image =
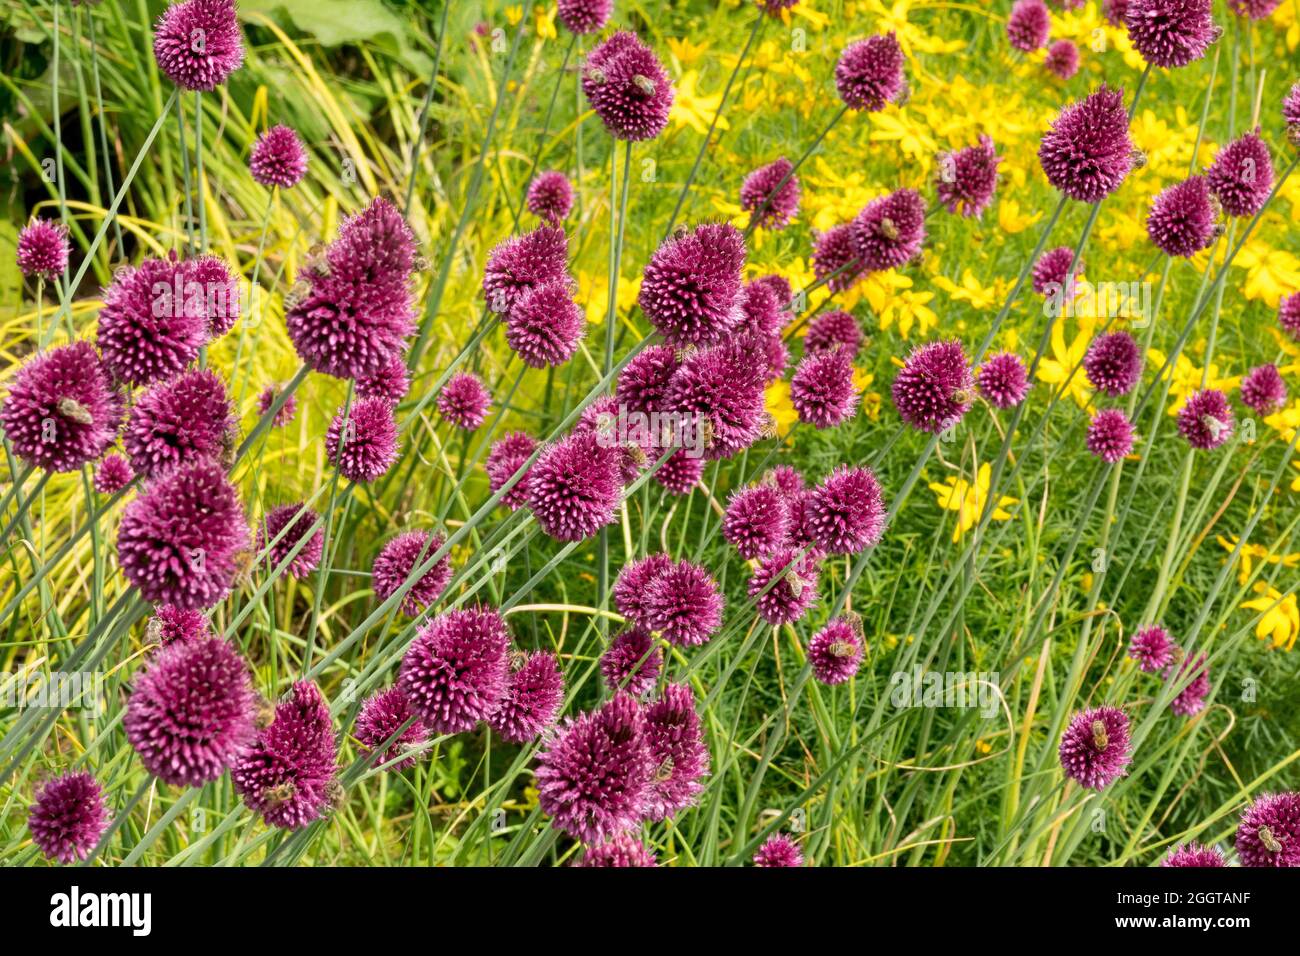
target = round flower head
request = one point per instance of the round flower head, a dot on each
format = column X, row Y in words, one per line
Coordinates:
column 390, row 382
column 1194, row 855
column 935, row 387
column 1206, row 419
column 353, row 307
column 457, row 669
column 1288, row 315
column 1191, row 699
column 594, row 778
column 627, row 87
column 1183, row 217
column 550, row 197
column 507, row 456
column 187, row 419
column 1113, row 363
column 1115, row 11
column 1095, row 747
column 831, row 330
column 68, row 817
column 1029, row 25
column 584, row 16
column 773, row 8
column 1003, row 380
column 545, row 325
column 1170, row 33
column 284, row 414
column 288, row 774
column 836, row 260
column 756, row 521
column 1263, row 389
column 890, row 230
column 192, row 712
column 1110, row 435
column 1291, row 114
column 170, row 624
column 793, row 580
column 764, row 306
column 401, row 556
column 291, row 524
column 1255, row 9
column 182, row 540
column 1052, row 276
column 574, row 488
column 533, row 697
column 968, row 178
column 382, row 715
column 770, row 194
column 43, row 249
column 690, row 289
column 522, row 262
column 1241, row 176
column 632, row 452
column 216, row 288
column 778, row 850
column 113, row 474
column 786, row 480
column 1152, row 648
column 822, row 390
column 622, row 849
column 189, row 63
column 464, row 401
column 149, row 330
column 634, row 581
column 869, row 73
column 722, row 389
column 835, row 651
column 1062, row 59
column 62, row 410
column 683, row 604
column 643, row 383
column 278, row 158
column 680, row 472
column 1087, row 152
column 779, row 286
column 769, row 353
column 362, row 440
column 1269, row 832
column 680, row 759
column 631, row 662
column 845, row 514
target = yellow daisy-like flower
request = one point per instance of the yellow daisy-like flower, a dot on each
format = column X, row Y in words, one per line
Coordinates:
column 968, row 500
column 909, row 309
column 1186, row 378
column 694, row 109
column 1064, row 361
column 1281, row 620
column 685, row 52
column 1011, row 220
column 593, row 295
column 913, row 137
column 970, row 290
column 1285, row 421
column 1251, row 553
column 545, row 18
column 776, row 401
column 1270, row 273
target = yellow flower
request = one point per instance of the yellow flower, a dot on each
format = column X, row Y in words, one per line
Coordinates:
column 776, row 400
column 684, row 51
column 1250, row 553
column 910, row 36
column 1281, row 620
column 1270, row 273
column 1186, row 378
column 959, row 495
column 545, row 17
column 693, row 109
column 1011, row 221
column 593, row 295
column 1064, row 362
column 1285, row 421
column 909, row 308
column 982, row 298
column 514, row 14
column 913, row 138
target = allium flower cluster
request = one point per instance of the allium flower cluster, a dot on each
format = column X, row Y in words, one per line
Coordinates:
column 189, row 418
column 1087, row 152
column 1094, row 749
column 457, row 669
column 627, row 87
column 399, row 558
column 935, row 387
column 68, row 817
column 362, row 440
column 288, row 775
column 690, row 289
column 771, row 194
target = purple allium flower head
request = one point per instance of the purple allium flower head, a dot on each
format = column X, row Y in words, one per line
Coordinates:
column 835, row 651
column 288, row 774
column 869, row 73
column 550, row 197
column 675, row 740
column 1206, row 419
column 381, row 715
column 1183, row 218
column 968, row 178
column 278, row 520
column 690, row 289
column 181, row 540
column 631, row 662
column 1255, row 9
column 622, row 849
column 354, row 307
column 1191, row 699
column 283, row 415
column 43, row 249
column 890, row 230
column 722, row 387
column 1193, row 855
column 594, row 778
column 390, row 382
column 770, row 207
column 1052, row 276
column 634, row 581
column 794, row 590
column 506, row 457
column 522, row 262
column 836, row 260
column 680, row 472
column 764, row 307
column 194, row 65
column 1269, row 832
column 683, row 604
column 1087, row 152
column 1241, row 176
column 170, row 624
column 601, row 418
column 362, row 440
column 191, row 713
column 768, row 352
column 464, row 401
column 1062, row 59
column 62, row 410
column 278, row 158
column 779, row 286
column 1113, row 363
column 1095, row 747
column 146, row 332
column 1110, row 435
column 398, row 558
column 786, row 480
column 845, row 514
column 773, row 8
column 187, row 419
column 545, row 325
column 628, row 87
column 831, row 330
column 574, row 487
column 113, row 474
column 1170, row 33
column 457, row 669
column 216, row 288
column 1115, row 11
column 68, row 817
column 1291, row 114
column 1029, row 25
column 822, row 389
column 643, row 383
column 1152, row 648
column 757, row 520
column 1263, row 389
column 778, row 850
column 533, row 696
column 1288, row 315
column 1003, row 380
column 935, row 387
column 584, row 16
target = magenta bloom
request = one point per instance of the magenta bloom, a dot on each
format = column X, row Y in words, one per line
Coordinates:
column 1095, row 747
column 968, row 178
column 533, row 696
column 622, row 849
column 756, row 521
column 627, row 87
column 296, row 522
column 1052, row 276
column 1255, row 9
column 464, row 401
column 180, row 541
column 690, row 289
column 149, row 330
column 1183, row 218
column 890, row 230
column 794, row 590
column 822, row 389
column 770, row 207
column 722, row 388
column 1263, row 389
column 1291, row 114
column 216, row 289
column 683, row 604
column 835, row 258
column 457, row 669
column 1194, row 855
column 399, row 558
column 634, row 581
column 1113, row 363
column 1191, row 699
column 170, row 624
column 1152, row 648
column 675, row 741
column 550, row 197
column 584, row 16
column 631, row 662
column 43, row 249
column 935, row 388
column 62, row 410
column 831, row 330
column 1003, row 380
column 1062, row 59
column 381, row 715
column 594, row 778
column 1269, row 832
column 191, row 713
column 390, row 382
column 869, row 73
column 278, row 158
column 679, row 473
column 68, row 817
column 574, row 487
column 506, row 457
column 764, row 305
column 1241, row 176
column 643, row 383
column 362, row 440
column 1288, row 315
column 1110, row 435
column 1206, row 419
column 778, row 850
column 545, row 325
column 193, row 64
column 357, row 307
column 288, row 774
column 113, row 474
column 1087, row 152
column 523, row 262
column 284, row 414
column 845, row 514
column 835, row 652
column 1029, row 25
column 187, row 419
column 1115, row 11
column 773, row 8
column 1170, row 33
